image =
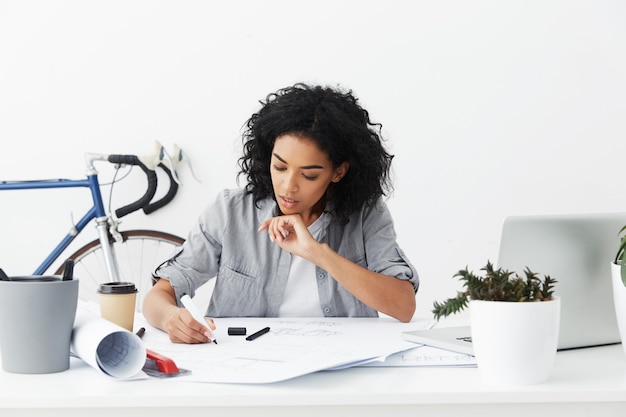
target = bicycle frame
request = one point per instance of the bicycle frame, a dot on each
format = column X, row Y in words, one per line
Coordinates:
column 96, row 212
column 106, row 225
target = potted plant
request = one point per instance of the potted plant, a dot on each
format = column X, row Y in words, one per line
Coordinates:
column 618, row 272
column 514, row 323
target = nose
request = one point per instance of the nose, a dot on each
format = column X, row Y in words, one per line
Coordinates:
column 291, row 182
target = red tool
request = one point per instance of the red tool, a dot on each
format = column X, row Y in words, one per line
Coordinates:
column 161, row 366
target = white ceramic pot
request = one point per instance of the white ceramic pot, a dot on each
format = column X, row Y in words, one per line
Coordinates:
column 515, row 342
column 619, row 299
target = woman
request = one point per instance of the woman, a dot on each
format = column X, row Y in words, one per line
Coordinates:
column 309, row 235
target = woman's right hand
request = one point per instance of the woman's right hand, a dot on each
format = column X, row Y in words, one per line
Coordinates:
column 161, row 311
column 183, row 328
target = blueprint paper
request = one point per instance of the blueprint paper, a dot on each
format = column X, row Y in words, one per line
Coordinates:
column 292, row 348
column 106, row 346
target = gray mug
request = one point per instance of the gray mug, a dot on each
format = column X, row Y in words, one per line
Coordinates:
column 36, row 320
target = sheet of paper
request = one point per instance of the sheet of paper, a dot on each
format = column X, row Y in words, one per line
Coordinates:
column 422, row 355
column 426, row 356
column 106, row 346
column 293, row 347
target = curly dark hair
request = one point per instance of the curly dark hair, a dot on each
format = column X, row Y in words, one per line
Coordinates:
column 338, row 124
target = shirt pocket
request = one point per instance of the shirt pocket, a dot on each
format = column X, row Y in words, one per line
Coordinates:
column 238, row 292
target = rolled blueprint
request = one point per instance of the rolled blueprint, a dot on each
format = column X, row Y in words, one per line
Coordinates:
column 106, row 346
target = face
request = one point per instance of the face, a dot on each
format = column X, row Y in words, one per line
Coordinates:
column 301, row 172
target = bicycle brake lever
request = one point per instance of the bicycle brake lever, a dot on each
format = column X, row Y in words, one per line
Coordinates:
column 160, row 156
column 181, row 158
column 152, row 160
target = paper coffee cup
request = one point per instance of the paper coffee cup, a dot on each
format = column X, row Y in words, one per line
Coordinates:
column 117, row 303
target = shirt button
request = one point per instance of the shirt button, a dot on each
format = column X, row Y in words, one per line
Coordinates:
column 327, row 310
column 321, row 275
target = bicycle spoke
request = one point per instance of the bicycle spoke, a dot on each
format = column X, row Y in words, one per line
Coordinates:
column 137, row 257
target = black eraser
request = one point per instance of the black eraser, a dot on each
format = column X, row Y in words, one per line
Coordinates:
column 236, row 331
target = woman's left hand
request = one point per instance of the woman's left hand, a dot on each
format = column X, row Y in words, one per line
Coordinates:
column 290, row 233
column 383, row 293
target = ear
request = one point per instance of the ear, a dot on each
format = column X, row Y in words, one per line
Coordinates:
column 341, row 171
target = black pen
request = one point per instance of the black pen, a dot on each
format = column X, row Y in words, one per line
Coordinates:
column 258, row 334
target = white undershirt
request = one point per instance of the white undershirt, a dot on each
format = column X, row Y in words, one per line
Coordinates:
column 301, row 297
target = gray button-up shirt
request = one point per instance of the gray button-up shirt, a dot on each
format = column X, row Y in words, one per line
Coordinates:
column 252, row 271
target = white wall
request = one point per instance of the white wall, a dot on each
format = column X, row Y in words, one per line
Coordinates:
column 492, row 108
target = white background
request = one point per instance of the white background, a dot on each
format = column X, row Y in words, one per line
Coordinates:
column 492, row 108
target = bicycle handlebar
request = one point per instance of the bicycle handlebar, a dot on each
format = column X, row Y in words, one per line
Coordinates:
column 169, row 196
column 150, row 191
column 148, row 165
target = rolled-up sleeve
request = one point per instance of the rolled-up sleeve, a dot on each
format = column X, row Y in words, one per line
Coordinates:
column 383, row 255
column 199, row 258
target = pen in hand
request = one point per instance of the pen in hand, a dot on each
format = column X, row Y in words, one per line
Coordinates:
column 191, row 307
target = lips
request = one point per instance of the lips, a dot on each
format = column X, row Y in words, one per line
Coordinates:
column 288, row 202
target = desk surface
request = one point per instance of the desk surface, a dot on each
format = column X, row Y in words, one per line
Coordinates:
column 583, row 381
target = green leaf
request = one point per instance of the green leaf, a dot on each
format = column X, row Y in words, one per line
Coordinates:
column 621, row 250
column 497, row 285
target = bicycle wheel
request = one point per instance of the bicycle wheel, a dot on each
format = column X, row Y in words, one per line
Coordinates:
column 139, row 253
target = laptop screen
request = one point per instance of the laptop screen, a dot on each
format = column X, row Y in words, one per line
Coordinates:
column 577, row 251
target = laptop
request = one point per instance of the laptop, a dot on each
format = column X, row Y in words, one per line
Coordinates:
column 574, row 249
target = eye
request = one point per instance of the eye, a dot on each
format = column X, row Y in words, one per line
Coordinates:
column 309, row 177
column 279, row 168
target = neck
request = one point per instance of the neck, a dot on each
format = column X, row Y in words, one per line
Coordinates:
column 315, row 212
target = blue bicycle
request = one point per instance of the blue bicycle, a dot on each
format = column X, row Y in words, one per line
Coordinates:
column 115, row 255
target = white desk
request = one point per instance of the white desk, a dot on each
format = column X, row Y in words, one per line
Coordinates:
column 585, row 382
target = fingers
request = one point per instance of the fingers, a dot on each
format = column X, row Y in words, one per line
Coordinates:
column 264, row 225
column 279, row 228
column 290, row 233
column 183, row 328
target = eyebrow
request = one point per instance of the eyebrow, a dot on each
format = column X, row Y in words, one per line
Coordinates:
column 303, row 167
